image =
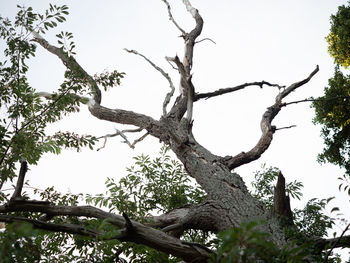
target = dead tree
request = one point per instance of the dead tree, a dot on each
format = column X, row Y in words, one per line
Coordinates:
column 228, row 202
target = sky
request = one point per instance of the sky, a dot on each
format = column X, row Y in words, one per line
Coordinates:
column 276, row 41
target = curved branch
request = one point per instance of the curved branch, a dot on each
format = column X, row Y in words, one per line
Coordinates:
column 103, row 113
column 166, row 75
column 185, row 102
column 266, row 127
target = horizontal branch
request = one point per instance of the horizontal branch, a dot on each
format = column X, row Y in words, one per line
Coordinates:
column 219, row 92
column 64, row 228
column 141, row 234
column 337, row 242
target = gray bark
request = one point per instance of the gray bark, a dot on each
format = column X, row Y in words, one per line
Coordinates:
column 228, row 203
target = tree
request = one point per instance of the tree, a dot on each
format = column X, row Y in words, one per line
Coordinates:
column 227, row 204
column 332, row 109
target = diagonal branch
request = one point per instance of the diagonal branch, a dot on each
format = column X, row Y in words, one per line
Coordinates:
column 72, row 64
column 166, row 75
column 100, row 112
column 330, row 243
column 267, row 129
column 171, row 18
column 219, row 92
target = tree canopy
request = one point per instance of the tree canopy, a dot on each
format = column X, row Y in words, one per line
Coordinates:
column 194, row 209
column 333, row 108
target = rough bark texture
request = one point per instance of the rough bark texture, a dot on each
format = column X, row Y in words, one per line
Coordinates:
column 228, row 204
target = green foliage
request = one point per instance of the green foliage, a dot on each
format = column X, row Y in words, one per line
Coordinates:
column 264, row 182
column 24, row 115
column 311, row 220
column 339, row 36
column 247, row 243
column 152, row 186
column 157, row 185
column 332, row 110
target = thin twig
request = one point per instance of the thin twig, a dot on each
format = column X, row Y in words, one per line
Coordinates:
column 139, row 139
column 287, row 127
column 122, row 134
column 312, row 100
column 166, row 75
column 171, row 18
column 207, row 38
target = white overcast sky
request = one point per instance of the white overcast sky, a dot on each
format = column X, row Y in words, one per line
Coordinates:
column 272, row 40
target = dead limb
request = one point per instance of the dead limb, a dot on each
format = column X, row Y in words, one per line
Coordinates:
column 266, row 127
column 166, row 75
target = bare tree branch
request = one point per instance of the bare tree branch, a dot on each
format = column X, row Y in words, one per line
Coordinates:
column 17, row 194
column 70, row 63
column 100, row 112
column 266, row 128
column 219, row 92
column 166, row 75
column 287, row 127
column 330, row 243
column 312, row 100
column 342, row 241
column 204, row 39
column 172, row 18
column 185, row 102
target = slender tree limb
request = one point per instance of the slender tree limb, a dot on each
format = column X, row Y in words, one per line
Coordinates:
column 171, row 18
column 17, row 194
column 70, row 63
column 312, row 100
column 266, row 127
column 330, row 243
column 287, row 127
column 185, row 102
column 65, row 228
column 219, row 92
column 342, row 241
column 204, row 39
column 100, row 112
column 139, row 139
column 166, row 75
column 117, row 133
